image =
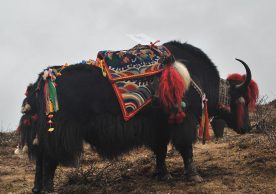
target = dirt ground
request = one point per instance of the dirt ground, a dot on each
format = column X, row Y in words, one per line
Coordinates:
column 234, row 164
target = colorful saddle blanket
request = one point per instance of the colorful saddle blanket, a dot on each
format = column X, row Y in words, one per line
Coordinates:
column 132, row 73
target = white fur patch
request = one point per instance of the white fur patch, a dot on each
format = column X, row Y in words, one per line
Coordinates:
column 25, row 108
column 25, row 149
column 183, row 71
column 241, row 100
column 17, row 151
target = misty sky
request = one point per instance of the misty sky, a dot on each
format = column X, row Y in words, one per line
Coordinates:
column 35, row 34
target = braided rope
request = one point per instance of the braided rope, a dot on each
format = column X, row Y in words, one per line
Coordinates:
column 224, row 94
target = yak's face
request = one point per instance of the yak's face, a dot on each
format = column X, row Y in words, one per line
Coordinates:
column 244, row 93
column 26, row 107
column 239, row 113
column 29, row 105
column 27, row 125
column 24, row 129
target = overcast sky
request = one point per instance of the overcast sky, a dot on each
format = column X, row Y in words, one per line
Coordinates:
column 35, row 34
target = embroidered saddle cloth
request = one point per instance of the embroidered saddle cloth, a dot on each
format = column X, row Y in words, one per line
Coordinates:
column 132, row 73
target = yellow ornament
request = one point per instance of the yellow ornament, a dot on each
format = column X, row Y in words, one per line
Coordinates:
column 51, row 109
column 51, row 129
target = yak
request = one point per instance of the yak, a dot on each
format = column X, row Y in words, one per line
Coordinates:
column 89, row 111
column 228, row 100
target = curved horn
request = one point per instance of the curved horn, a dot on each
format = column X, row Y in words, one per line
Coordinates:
column 242, row 87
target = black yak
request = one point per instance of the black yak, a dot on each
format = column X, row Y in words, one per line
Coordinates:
column 89, row 111
column 228, row 100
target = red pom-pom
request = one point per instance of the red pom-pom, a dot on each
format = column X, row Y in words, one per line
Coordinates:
column 50, row 116
column 35, row 117
column 27, row 122
column 179, row 117
column 50, row 122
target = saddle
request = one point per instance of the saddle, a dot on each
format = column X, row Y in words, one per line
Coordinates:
column 132, row 74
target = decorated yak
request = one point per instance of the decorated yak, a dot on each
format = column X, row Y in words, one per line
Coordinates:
column 228, row 100
column 115, row 110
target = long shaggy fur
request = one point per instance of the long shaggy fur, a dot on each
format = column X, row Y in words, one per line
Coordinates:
column 89, row 111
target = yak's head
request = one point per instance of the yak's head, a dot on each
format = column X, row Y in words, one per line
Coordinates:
column 243, row 92
column 28, row 122
column 30, row 103
column 26, row 129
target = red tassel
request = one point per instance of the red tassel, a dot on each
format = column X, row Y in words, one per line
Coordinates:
column 200, row 130
column 207, row 134
column 50, row 116
column 171, row 88
column 203, row 131
column 154, row 44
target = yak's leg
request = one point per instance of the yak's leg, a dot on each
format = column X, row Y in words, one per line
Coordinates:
column 183, row 136
column 218, row 127
column 48, row 174
column 190, row 170
column 161, row 169
column 38, row 174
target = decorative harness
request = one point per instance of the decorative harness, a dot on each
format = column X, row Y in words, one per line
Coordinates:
column 223, row 103
column 224, row 95
column 203, row 131
column 49, row 90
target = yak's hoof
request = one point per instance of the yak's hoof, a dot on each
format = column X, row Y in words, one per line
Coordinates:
column 36, row 189
column 191, row 173
column 195, row 178
column 48, row 188
column 165, row 177
column 162, row 176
